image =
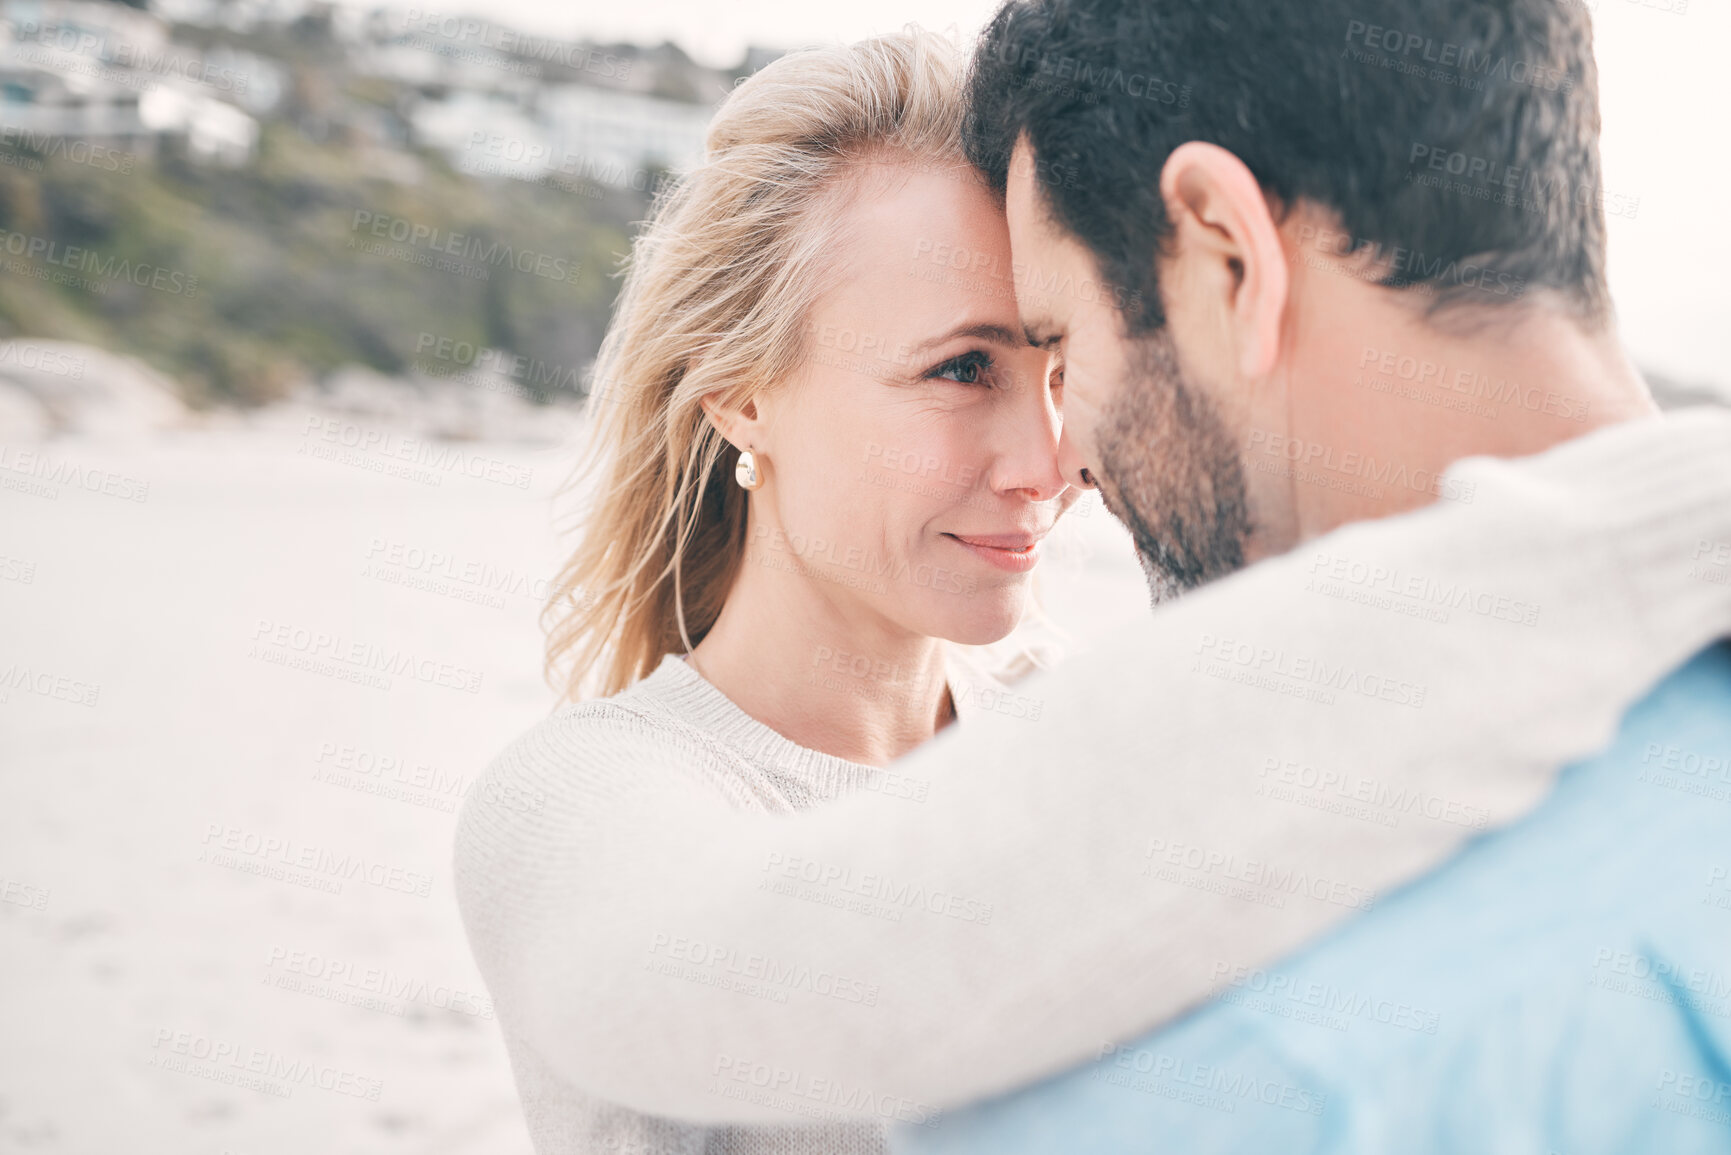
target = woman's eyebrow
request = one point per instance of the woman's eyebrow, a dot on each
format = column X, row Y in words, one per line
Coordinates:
column 984, row 331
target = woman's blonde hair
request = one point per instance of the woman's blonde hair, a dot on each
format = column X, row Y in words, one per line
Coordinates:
column 715, row 301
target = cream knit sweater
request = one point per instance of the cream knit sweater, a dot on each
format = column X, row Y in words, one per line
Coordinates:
column 754, row 769
column 1218, row 782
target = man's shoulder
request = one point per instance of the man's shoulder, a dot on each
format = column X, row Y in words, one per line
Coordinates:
column 1695, row 699
column 1675, row 743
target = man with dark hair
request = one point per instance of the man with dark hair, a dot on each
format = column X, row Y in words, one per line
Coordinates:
column 1253, row 182
column 1295, row 260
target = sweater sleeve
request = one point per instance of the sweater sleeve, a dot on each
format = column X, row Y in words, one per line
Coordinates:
column 1218, row 783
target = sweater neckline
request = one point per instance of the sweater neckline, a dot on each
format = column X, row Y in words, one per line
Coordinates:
column 676, row 685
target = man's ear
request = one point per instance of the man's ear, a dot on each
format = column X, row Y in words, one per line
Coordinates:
column 1221, row 220
column 742, row 424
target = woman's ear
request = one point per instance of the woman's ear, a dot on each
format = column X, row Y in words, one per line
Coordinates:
column 1222, row 222
column 741, row 424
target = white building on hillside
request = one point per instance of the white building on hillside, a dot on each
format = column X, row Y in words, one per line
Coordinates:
column 586, row 134
column 618, row 137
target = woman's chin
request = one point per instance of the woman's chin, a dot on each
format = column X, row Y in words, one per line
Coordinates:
column 989, row 616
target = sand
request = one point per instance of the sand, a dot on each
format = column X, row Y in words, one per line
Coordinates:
column 244, row 687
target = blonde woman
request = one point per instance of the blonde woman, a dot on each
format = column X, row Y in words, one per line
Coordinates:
column 826, row 462
column 822, row 451
column 822, row 458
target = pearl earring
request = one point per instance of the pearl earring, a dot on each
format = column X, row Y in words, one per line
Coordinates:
column 746, row 471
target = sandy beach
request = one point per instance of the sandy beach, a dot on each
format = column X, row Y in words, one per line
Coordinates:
column 248, row 671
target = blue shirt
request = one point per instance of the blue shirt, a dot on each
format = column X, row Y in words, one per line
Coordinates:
column 1562, row 986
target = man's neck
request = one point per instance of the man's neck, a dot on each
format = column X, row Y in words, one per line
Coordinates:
column 1414, row 397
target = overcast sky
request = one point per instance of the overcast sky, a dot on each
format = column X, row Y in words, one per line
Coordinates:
column 1662, row 93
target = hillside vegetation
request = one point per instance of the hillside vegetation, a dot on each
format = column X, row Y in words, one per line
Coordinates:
column 239, row 282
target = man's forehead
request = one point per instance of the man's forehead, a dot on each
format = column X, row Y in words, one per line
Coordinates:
column 1045, row 315
column 1032, row 245
column 1023, row 200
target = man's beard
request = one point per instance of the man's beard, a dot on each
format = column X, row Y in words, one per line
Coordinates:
column 1171, row 473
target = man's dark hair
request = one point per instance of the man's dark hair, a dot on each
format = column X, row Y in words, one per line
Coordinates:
column 1456, row 139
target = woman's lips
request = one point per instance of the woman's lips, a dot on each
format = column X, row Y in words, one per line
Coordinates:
column 1011, row 552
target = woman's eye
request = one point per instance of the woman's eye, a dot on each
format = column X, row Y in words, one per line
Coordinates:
column 968, row 369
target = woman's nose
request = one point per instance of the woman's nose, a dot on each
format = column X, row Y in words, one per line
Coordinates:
column 1030, row 461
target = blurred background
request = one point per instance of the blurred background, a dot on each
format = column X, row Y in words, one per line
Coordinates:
column 297, row 304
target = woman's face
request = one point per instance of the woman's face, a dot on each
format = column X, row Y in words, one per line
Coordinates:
column 912, row 464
